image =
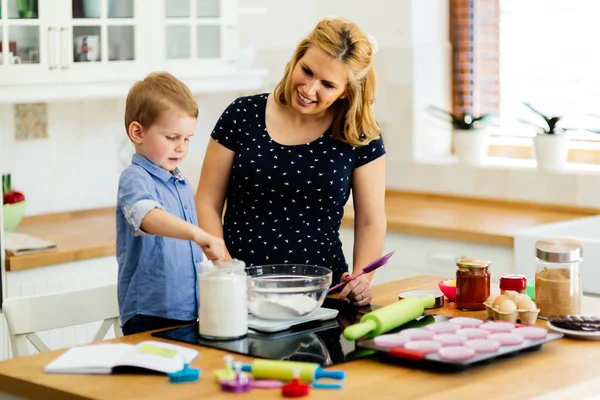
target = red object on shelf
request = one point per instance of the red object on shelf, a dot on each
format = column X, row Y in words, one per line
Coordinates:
column 513, row 282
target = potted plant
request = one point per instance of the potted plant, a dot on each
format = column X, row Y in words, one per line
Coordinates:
column 550, row 144
column 469, row 133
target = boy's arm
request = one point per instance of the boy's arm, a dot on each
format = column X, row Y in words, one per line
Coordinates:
column 142, row 210
column 161, row 223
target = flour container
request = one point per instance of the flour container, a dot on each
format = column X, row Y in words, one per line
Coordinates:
column 223, row 312
column 558, row 276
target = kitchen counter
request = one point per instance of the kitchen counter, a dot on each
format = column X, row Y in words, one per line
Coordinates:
column 559, row 368
column 88, row 234
column 467, row 219
column 80, row 235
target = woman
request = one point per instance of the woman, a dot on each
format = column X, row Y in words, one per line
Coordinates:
column 285, row 162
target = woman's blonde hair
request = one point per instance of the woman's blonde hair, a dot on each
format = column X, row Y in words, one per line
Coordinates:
column 342, row 40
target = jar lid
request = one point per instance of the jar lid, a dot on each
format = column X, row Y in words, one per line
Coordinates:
column 513, row 282
column 473, row 263
column 559, row 250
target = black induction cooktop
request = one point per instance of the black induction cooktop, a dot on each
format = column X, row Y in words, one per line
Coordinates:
column 320, row 342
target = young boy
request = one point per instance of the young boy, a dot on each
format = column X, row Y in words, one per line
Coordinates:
column 158, row 239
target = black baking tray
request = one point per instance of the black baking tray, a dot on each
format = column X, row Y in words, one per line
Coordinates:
column 432, row 361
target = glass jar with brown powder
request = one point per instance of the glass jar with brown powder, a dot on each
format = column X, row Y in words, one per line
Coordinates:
column 558, row 277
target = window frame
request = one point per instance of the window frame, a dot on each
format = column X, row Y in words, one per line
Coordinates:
column 581, row 151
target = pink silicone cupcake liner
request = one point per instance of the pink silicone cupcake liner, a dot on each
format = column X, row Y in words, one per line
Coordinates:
column 426, row 346
column 417, row 334
column 507, row 339
column 456, row 353
column 483, row 345
column 531, row 332
column 466, row 322
column 473, row 333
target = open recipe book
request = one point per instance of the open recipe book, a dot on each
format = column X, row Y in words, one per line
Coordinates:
column 112, row 358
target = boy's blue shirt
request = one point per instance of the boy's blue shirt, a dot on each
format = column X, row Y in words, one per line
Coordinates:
column 157, row 275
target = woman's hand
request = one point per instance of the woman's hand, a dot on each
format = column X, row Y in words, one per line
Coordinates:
column 358, row 291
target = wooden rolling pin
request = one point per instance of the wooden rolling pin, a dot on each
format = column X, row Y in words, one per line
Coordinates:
column 389, row 317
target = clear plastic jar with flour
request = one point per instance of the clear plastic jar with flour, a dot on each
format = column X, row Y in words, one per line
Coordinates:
column 222, row 288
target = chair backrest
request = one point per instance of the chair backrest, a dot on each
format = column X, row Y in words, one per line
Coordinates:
column 30, row 314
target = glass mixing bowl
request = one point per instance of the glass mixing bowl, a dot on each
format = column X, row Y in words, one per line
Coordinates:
column 286, row 291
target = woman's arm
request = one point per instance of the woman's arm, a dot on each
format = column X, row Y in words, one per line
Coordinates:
column 212, row 188
column 368, row 192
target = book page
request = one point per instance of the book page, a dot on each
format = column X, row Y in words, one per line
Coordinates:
column 158, row 356
column 96, row 359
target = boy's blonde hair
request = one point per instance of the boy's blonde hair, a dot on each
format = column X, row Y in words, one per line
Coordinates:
column 156, row 93
column 345, row 41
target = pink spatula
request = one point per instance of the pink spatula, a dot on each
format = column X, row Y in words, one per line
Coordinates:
column 371, row 267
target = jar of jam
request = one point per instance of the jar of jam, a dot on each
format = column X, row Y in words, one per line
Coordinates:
column 515, row 282
column 472, row 283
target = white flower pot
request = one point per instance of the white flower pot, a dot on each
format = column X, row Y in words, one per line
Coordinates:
column 471, row 146
column 551, row 151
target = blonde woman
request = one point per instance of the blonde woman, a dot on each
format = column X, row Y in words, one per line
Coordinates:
column 285, row 162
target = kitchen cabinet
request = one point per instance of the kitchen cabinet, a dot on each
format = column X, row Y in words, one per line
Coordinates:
column 418, row 255
column 65, row 49
column 57, row 278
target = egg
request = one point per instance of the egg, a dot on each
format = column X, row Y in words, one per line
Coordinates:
column 512, row 294
column 521, row 297
column 527, row 305
column 507, row 306
column 499, row 300
column 490, row 300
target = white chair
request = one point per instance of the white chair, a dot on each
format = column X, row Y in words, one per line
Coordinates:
column 30, row 314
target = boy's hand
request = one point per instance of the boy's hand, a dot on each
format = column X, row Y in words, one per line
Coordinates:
column 212, row 246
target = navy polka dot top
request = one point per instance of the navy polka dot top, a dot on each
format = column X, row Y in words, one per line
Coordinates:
column 285, row 203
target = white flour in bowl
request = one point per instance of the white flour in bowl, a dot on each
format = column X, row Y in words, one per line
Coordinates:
column 283, row 307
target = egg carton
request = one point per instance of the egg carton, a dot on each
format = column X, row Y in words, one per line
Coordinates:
column 512, row 307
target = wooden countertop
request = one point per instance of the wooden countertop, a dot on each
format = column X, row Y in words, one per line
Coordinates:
column 80, row 235
column 467, row 219
column 87, row 234
column 561, row 366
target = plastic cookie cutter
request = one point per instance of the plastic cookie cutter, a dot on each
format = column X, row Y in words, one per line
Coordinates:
column 275, row 384
column 226, row 374
column 295, row 388
column 240, row 384
column 187, row 374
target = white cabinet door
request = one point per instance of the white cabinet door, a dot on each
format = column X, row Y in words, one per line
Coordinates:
column 194, row 36
column 67, row 41
column 29, row 41
column 103, row 40
column 417, row 255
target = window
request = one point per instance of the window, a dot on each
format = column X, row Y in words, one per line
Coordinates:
column 539, row 51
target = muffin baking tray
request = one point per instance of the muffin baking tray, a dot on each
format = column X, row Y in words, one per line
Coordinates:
column 455, row 344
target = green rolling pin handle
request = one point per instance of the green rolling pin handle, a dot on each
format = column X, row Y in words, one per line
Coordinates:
column 360, row 329
column 428, row 301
